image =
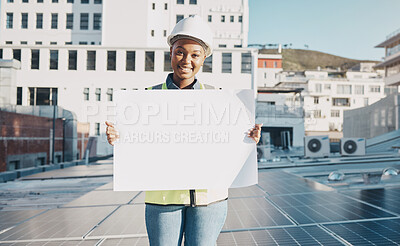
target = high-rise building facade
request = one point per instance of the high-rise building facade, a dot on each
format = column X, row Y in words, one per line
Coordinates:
column 77, row 53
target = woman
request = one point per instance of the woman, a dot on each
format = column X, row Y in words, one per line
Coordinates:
column 199, row 215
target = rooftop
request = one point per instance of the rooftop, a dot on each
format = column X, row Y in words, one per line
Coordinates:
column 291, row 205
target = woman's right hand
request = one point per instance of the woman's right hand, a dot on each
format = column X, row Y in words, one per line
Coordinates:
column 112, row 134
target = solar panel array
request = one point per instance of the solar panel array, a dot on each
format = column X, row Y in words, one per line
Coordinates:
column 282, row 209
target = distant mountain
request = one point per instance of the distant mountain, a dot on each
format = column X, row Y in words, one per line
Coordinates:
column 300, row 60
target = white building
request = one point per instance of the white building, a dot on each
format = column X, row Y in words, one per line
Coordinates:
column 327, row 94
column 82, row 51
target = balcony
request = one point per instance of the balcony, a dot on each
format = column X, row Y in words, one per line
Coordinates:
column 392, row 80
column 278, row 111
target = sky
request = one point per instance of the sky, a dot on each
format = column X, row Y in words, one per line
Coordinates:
column 348, row 28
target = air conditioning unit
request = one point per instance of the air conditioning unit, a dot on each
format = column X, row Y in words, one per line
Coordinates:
column 316, row 146
column 352, row 146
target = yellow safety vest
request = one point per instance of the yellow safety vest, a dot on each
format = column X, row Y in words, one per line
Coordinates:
column 183, row 197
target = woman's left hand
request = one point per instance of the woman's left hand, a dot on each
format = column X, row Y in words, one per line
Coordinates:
column 255, row 133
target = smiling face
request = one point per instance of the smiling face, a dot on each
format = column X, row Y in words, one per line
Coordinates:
column 187, row 57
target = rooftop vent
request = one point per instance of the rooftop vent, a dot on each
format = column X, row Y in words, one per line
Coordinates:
column 390, row 171
column 336, row 176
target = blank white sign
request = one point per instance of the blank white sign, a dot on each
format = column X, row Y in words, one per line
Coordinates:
column 184, row 139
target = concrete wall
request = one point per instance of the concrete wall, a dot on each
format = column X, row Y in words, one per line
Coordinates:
column 8, row 81
column 374, row 120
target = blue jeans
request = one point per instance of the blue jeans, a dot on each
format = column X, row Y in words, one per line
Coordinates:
column 166, row 225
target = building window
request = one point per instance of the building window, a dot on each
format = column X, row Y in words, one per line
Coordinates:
column 193, row 2
column 98, row 1
column 54, row 1
column 318, row 88
column 153, row 6
column 98, row 94
column 335, row 113
column 166, row 6
column 82, row 43
column 316, row 100
column 207, row 65
column 38, row 42
column 374, row 88
column 149, row 61
column 1, row 53
column 97, row 129
column 10, row 20
column 359, row 89
column 246, row 62
column 70, row 1
column 84, row 1
column 365, row 102
column 227, row 62
column 9, row 42
column 275, row 64
column 86, row 94
column 180, row 2
column 317, row 113
column 70, row 21
column 91, row 60
column 13, row 165
column 72, row 59
column 24, row 20
column 111, row 60
column 178, row 18
column 222, row 18
column 222, row 46
column 54, row 21
column 110, row 94
column 152, row 33
column 10, row 1
column 210, row 18
column 327, row 87
column 341, row 102
column 42, row 96
column 97, row 21
column 53, row 59
column 53, row 43
column 39, row 1
column 19, row 95
column 35, row 59
column 232, row 18
column 39, row 20
column 343, row 89
column 84, row 21
column 130, row 61
column 240, row 18
column 17, row 54
column 167, row 62
column 25, row 1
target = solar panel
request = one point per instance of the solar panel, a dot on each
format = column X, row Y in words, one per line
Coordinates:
column 253, row 213
column 126, row 220
column 382, row 232
column 251, row 191
column 103, row 197
column 108, row 186
column 12, row 218
column 126, row 242
column 55, row 243
column 306, row 235
column 388, row 199
column 325, row 207
column 280, row 182
column 59, row 223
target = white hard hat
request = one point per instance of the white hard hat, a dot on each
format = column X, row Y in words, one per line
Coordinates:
column 193, row 28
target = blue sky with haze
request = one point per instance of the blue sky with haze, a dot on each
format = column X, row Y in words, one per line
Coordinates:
column 348, row 28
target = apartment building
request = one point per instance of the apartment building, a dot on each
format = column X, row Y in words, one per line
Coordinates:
column 391, row 63
column 328, row 93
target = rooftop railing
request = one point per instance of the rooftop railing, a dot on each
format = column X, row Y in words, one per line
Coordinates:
column 393, row 34
column 278, row 111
